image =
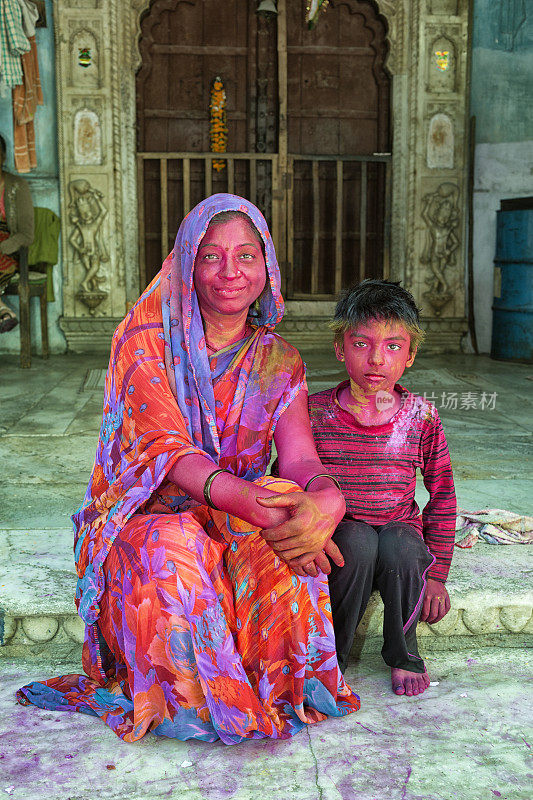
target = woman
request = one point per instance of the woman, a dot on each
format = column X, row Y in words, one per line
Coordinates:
column 16, row 230
column 196, row 626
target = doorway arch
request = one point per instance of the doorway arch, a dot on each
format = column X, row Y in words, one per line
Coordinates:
column 333, row 83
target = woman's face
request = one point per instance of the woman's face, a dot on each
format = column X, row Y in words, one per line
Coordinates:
column 229, row 269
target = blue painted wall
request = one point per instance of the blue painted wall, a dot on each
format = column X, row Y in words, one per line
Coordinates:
column 502, row 70
column 43, row 181
column 502, row 102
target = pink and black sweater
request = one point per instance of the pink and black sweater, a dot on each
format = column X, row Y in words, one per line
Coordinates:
column 376, row 468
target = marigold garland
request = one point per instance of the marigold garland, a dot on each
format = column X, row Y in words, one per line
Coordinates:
column 219, row 128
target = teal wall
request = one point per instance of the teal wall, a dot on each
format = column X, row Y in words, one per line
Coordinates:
column 43, row 181
column 502, row 70
column 502, row 102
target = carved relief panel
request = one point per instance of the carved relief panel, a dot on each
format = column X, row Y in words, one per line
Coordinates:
column 438, row 226
column 443, row 8
column 442, row 65
column 440, row 144
column 90, row 177
column 441, row 214
column 86, row 214
column 85, row 3
column 87, row 137
column 85, row 57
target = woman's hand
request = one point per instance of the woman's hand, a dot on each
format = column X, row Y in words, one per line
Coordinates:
column 302, row 538
column 436, row 602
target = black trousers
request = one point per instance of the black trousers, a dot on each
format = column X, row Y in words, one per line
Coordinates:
column 394, row 559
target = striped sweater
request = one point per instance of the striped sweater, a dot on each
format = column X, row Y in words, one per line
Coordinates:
column 376, row 467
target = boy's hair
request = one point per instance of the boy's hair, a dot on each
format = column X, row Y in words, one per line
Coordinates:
column 377, row 299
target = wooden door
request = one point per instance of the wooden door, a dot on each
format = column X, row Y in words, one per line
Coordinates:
column 185, row 45
column 338, row 106
column 331, row 81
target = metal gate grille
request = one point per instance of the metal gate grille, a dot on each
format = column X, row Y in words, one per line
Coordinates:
column 318, row 208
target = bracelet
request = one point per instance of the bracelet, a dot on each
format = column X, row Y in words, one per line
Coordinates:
column 323, row 475
column 207, row 488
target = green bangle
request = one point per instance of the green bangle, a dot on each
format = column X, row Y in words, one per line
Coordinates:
column 207, row 488
column 323, row 475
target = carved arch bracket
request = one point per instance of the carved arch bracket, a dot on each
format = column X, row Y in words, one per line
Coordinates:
column 390, row 9
column 138, row 8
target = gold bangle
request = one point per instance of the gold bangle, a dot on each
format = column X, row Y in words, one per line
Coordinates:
column 323, row 475
column 207, row 488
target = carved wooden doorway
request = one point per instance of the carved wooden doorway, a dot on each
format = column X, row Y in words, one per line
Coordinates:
column 307, row 131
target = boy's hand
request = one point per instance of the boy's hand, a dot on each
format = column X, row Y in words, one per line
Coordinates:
column 436, row 602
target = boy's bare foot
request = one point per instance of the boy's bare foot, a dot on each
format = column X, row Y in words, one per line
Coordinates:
column 409, row 683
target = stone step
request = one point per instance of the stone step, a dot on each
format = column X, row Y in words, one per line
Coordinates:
column 488, row 586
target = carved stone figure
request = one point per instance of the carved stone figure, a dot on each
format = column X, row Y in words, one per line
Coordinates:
column 440, row 212
column 87, row 212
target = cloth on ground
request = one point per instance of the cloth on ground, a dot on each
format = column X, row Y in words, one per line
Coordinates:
column 493, row 525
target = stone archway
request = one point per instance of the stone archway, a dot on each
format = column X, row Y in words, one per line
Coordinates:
column 97, row 58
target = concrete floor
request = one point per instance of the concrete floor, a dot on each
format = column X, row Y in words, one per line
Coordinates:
column 51, row 424
column 466, row 738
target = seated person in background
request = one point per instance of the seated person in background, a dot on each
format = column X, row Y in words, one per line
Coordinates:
column 372, row 435
column 16, row 230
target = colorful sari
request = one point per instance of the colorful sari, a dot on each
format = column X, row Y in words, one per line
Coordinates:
column 194, row 627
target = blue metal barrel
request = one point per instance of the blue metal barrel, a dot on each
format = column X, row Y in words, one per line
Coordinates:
column 512, row 311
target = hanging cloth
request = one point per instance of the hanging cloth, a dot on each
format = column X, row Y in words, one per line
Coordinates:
column 13, row 43
column 26, row 98
column 43, row 253
column 30, row 15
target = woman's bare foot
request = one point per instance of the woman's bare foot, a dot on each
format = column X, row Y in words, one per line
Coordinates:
column 409, row 683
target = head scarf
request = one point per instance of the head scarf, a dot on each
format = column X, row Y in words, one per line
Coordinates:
column 186, row 359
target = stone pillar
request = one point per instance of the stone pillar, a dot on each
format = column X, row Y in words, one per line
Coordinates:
column 429, row 61
column 93, row 136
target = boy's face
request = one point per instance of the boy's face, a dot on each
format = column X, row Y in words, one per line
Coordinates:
column 376, row 354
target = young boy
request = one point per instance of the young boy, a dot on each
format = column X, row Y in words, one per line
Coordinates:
column 372, row 435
